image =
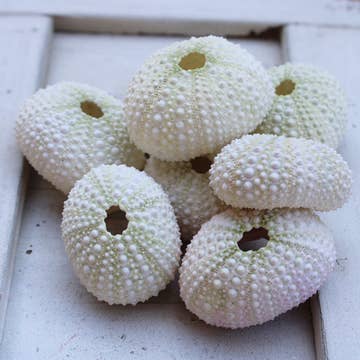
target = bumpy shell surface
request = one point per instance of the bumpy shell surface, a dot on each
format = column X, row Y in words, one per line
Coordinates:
column 314, row 109
column 132, row 266
column 177, row 114
column 268, row 171
column 228, row 287
column 189, row 192
column 62, row 142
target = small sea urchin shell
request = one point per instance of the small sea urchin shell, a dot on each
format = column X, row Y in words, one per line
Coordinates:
column 228, row 287
column 127, row 266
column 309, row 103
column 68, row 128
column 195, row 96
column 268, row 171
column 187, row 185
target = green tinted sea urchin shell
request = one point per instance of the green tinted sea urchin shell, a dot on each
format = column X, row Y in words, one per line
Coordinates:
column 127, row 267
column 69, row 128
column 268, row 171
column 228, row 287
column 195, row 96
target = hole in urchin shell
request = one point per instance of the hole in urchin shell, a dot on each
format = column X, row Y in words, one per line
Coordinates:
column 254, row 239
column 92, row 109
column 116, row 221
column 201, row 164
column 193, row 60
column 286, row 87
column 146, row 156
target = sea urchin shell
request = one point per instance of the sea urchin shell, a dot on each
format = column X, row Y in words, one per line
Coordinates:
column 187, row 185
column 195, row 96
column 309, row 103
column 228, row 287
column 69, row 128
column 135, row 263
column 268, row 171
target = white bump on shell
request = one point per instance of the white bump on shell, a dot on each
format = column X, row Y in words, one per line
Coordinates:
column 259, row 285
column 224, row 99
column 136, row 264
column 63, row 143
column 315, row 109
column 307, row 174
column 189, row 192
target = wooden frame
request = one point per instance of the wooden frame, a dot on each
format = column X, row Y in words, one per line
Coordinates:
column 328, row 36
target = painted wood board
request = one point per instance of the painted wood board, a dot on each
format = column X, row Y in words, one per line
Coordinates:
column 337, row 308
column 46, row 296
column 188, row 16
column 24, row 43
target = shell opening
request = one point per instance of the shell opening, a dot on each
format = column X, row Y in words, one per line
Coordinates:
column 286, row 87
column 254, row 239
column 91, row 108
column 193, row 60
column 116, row 221
column 201, row 164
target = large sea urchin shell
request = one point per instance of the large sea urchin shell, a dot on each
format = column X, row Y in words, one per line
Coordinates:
column 195, row 96
column 309, row 103
column 189, row 192
column 132, row 266
column 228, row 287
column 69, row 128
column 268, row 171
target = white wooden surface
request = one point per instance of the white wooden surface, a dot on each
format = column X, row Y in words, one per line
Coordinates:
column 188, row 16
column 24, row 43
column 338, row 307
column 51, row 316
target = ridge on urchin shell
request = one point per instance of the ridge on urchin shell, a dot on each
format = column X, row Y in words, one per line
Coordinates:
column 66, row 129
column 268, row 171
column 132, row 266
column 195, row 96
column 228, row 287
column 308, row 103
column 189, row 192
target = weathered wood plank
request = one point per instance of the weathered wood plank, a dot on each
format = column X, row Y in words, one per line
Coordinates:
column 188, row 16
column 47, row 297
column 337, row 309
column 24, row 43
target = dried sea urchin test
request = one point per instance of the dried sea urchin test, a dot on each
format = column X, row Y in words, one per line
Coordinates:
column 230, row 287
column 309, row 103
column 268, row 171
column 69, row 128
column 131, row 263
column 187, row 185
column 195, row 96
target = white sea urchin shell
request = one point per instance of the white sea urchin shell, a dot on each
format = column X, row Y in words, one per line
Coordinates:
column 132, row 266
column 195, row 96
column 228, row 287
column 68, row 128
column 189, row 192
column 309, row 103
column 268, row 171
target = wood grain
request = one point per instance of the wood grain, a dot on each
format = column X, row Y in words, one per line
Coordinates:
column 24, row 43
column 229, row 17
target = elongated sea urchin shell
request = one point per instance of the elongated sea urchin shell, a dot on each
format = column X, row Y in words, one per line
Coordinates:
column 228, row 287
column 195, row 96
column 309, row 103
column 127, row 267
column 69, row 128
column 268, row 171
column 189, row 192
